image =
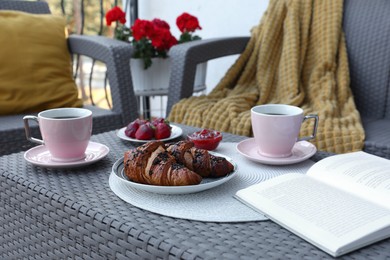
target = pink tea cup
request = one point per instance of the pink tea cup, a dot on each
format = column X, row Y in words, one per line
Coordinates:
column 276, row 128
column 65, row 132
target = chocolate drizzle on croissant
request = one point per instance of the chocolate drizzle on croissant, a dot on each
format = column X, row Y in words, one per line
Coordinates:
column 199, row 160
column 152, row 164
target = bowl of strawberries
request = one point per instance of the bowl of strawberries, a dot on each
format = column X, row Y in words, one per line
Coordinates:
column 141, row 130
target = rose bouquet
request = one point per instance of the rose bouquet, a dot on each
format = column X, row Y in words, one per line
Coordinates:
column 152, row 39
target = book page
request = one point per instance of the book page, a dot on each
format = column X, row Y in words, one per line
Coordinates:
column 329, row 218
column 360, row 173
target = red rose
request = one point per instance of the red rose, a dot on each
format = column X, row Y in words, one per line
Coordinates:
column 162, row 39
column 114, row 15
column 141, row 29
column 187, row 23
column 171, row 41
column 152, row 38
column 161, row 24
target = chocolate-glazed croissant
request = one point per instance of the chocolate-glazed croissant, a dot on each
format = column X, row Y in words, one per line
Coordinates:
column 199, row 160
column 152, row 164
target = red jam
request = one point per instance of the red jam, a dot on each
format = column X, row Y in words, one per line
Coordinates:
column 206, row 139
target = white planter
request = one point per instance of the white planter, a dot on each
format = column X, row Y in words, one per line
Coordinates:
column 154, row 81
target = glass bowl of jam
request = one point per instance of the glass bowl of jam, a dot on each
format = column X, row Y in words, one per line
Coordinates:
column 207, row 139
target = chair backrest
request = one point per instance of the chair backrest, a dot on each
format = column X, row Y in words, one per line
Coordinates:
column 30, row 7
column 367, row 30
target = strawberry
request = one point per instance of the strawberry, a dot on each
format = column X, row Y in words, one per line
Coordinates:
column 162, row 131
column 132, row 128
column 140, row 121
column 158, row 120
column 145, row 132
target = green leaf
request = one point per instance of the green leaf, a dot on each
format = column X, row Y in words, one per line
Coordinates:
column 196, row 37
column 147, row 62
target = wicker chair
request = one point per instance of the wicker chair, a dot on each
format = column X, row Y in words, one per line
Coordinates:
column 114, row 54
column 366, row 25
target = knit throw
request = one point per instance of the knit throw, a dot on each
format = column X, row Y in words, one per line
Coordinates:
column 297, row 56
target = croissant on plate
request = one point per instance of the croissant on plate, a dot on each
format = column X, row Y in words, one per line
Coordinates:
column 152, row 164
column 199, row 160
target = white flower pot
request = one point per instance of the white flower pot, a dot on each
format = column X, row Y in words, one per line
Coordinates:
column 154, row 81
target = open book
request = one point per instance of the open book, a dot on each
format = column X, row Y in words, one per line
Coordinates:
column 341, row 204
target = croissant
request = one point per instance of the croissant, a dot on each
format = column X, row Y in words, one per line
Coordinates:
column 199, row 160
column 152, row 164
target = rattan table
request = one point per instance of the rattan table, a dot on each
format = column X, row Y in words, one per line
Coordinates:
column 72, row 213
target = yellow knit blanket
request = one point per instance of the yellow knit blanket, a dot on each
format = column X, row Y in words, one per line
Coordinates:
column 296, row 55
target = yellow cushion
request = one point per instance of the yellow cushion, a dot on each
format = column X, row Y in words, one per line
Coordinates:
column 35, row 64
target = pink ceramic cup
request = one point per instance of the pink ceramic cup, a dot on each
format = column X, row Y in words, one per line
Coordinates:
column 276, row 128
column 65, row 132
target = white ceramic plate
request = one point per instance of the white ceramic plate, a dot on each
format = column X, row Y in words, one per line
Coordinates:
column 302, row 150
column 207, row 183
column 40, row 156
column 176, row 132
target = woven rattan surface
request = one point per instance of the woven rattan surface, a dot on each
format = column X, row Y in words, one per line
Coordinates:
column 56, row 214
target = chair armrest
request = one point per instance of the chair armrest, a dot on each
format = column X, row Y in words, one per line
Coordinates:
column 186, row 56
column 116, row 56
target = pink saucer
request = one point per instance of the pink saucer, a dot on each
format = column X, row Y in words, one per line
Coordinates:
column 40, row 156
column 301, row 151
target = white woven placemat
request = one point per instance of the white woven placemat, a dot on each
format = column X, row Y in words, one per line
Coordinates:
column 214, row 205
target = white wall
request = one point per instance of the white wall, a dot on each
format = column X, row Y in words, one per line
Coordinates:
column 218, row 18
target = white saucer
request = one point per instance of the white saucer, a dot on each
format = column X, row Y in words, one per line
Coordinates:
column 40, row 156
column 301, row 151
column 175, row 133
